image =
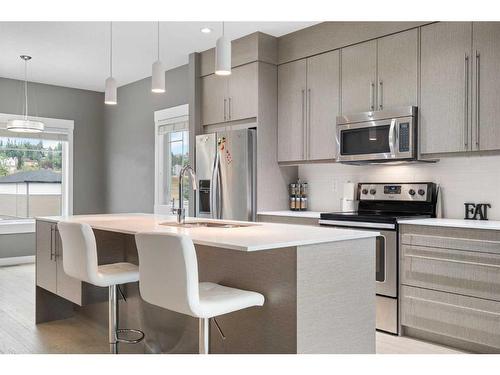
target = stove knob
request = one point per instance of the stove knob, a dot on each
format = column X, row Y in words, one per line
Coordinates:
column 373, row 191
column 411, row 192
column 421, row 191
column 364, row 191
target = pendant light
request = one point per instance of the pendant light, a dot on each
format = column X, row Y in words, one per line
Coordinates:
column 158, row 73
column 223, row 55
column 110, row 92
column 25, row 125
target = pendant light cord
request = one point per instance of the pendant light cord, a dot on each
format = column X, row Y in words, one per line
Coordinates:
column 158, row 41
column 222, row 28
column 26, row 89
column 111, row 49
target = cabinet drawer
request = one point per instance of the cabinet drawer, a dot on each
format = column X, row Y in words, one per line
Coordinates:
column 448, row 242
column 465, row 318
column 457, row 271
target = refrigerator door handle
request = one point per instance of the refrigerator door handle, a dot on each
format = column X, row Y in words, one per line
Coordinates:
column 219, row 190
column 213, row 188
column 215, row 194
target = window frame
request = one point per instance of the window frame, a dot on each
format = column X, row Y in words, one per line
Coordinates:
column 53, row 126
column 163, row 117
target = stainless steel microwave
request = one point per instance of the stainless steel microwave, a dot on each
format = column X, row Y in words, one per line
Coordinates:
column 377, row 136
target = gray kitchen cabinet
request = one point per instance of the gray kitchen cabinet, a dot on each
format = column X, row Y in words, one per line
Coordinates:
column 359, row 77
column 308, row 103
column 397, row 70
column 292, row 111
column 323, row 91
column 230, row 98
column 445, row 83
column 67, row 286
column 49, row 268
column 213, row 99
column 242, row 93
column 451, row 286
column 46, row 268
column 486, row 86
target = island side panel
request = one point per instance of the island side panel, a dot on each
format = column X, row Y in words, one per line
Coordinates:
column 336, row 297
column 268, row 329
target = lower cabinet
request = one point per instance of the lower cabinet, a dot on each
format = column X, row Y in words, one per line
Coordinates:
column 49, row 267
column 450, row 290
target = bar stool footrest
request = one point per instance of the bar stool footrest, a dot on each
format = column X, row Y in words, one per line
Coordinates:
column 128, row 330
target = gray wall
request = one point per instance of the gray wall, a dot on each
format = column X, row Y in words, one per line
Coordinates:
column 129, row 141
column 87, row 110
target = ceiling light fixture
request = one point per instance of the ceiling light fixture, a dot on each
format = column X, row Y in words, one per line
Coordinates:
column 158, row 73
column 206, row 30
column 223, row 55
column 110, row 91
column 25, row 125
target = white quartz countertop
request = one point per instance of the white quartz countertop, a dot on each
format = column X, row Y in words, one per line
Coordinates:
column 455, row 223
column 259, row 236
column 304, row 214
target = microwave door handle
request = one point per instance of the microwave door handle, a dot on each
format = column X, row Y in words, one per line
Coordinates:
column 392, row 138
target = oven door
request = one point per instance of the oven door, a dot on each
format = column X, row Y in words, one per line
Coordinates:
column 381, row 140
column 386, row 269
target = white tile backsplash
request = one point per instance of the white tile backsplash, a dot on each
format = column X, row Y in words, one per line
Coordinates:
column 462, row 179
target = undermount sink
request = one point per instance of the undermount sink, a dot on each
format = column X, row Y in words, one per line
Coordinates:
column 207, row 224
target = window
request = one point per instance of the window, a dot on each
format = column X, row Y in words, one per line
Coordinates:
column 172, row 154
column 176, row 156
column 30, row 177
column 35, row 173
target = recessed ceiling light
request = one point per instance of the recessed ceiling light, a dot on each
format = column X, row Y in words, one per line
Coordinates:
column 206, row 30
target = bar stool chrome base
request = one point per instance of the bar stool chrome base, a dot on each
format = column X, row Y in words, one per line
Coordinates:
column 114, row 331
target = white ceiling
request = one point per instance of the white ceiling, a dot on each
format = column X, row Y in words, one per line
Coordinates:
column 76, row 54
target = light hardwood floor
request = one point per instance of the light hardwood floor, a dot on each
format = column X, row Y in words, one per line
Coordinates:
column 20, row 334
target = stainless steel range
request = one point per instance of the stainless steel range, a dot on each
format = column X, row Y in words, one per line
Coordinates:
column 381, row 205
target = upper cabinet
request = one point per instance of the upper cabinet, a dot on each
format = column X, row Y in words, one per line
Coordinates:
column 445, row 87
column 308, row 103
column 486, row 86
column 292, row 110
column 323, row 99
column 359, row 75
column 397, row 70
column 230, row 98
column 460, row 87
column 380, row 73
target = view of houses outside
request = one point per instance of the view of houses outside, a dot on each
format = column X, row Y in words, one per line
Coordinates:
column 30, row 177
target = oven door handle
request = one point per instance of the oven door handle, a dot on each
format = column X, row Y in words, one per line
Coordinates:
column 392, row 138
column 385, row 257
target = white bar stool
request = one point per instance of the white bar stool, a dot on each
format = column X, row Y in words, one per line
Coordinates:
column 168, row 272
column 80, row 261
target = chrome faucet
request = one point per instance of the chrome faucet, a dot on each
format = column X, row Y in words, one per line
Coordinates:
column 181, row 211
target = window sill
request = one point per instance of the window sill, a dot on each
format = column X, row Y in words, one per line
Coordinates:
column 17, row 226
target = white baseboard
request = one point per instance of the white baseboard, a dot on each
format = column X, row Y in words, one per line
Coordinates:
column 17, row 260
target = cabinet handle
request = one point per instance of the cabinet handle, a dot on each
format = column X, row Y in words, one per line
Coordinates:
column 372, row 96
column 225, row 109
column 308, row 139
column 477, row 98
column 56, row 231
column 380, row 95
column 466, row 103
column 51, row 242
column 229, row 108
column 303, row 122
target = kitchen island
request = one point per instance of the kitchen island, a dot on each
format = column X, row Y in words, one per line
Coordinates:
column 318, row 284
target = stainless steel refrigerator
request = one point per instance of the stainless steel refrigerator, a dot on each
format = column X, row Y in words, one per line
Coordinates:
column 226, row 176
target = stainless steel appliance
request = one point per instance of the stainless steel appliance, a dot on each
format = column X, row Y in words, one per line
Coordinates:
column 381, row 205
column 378, row 136
column 226, row 176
